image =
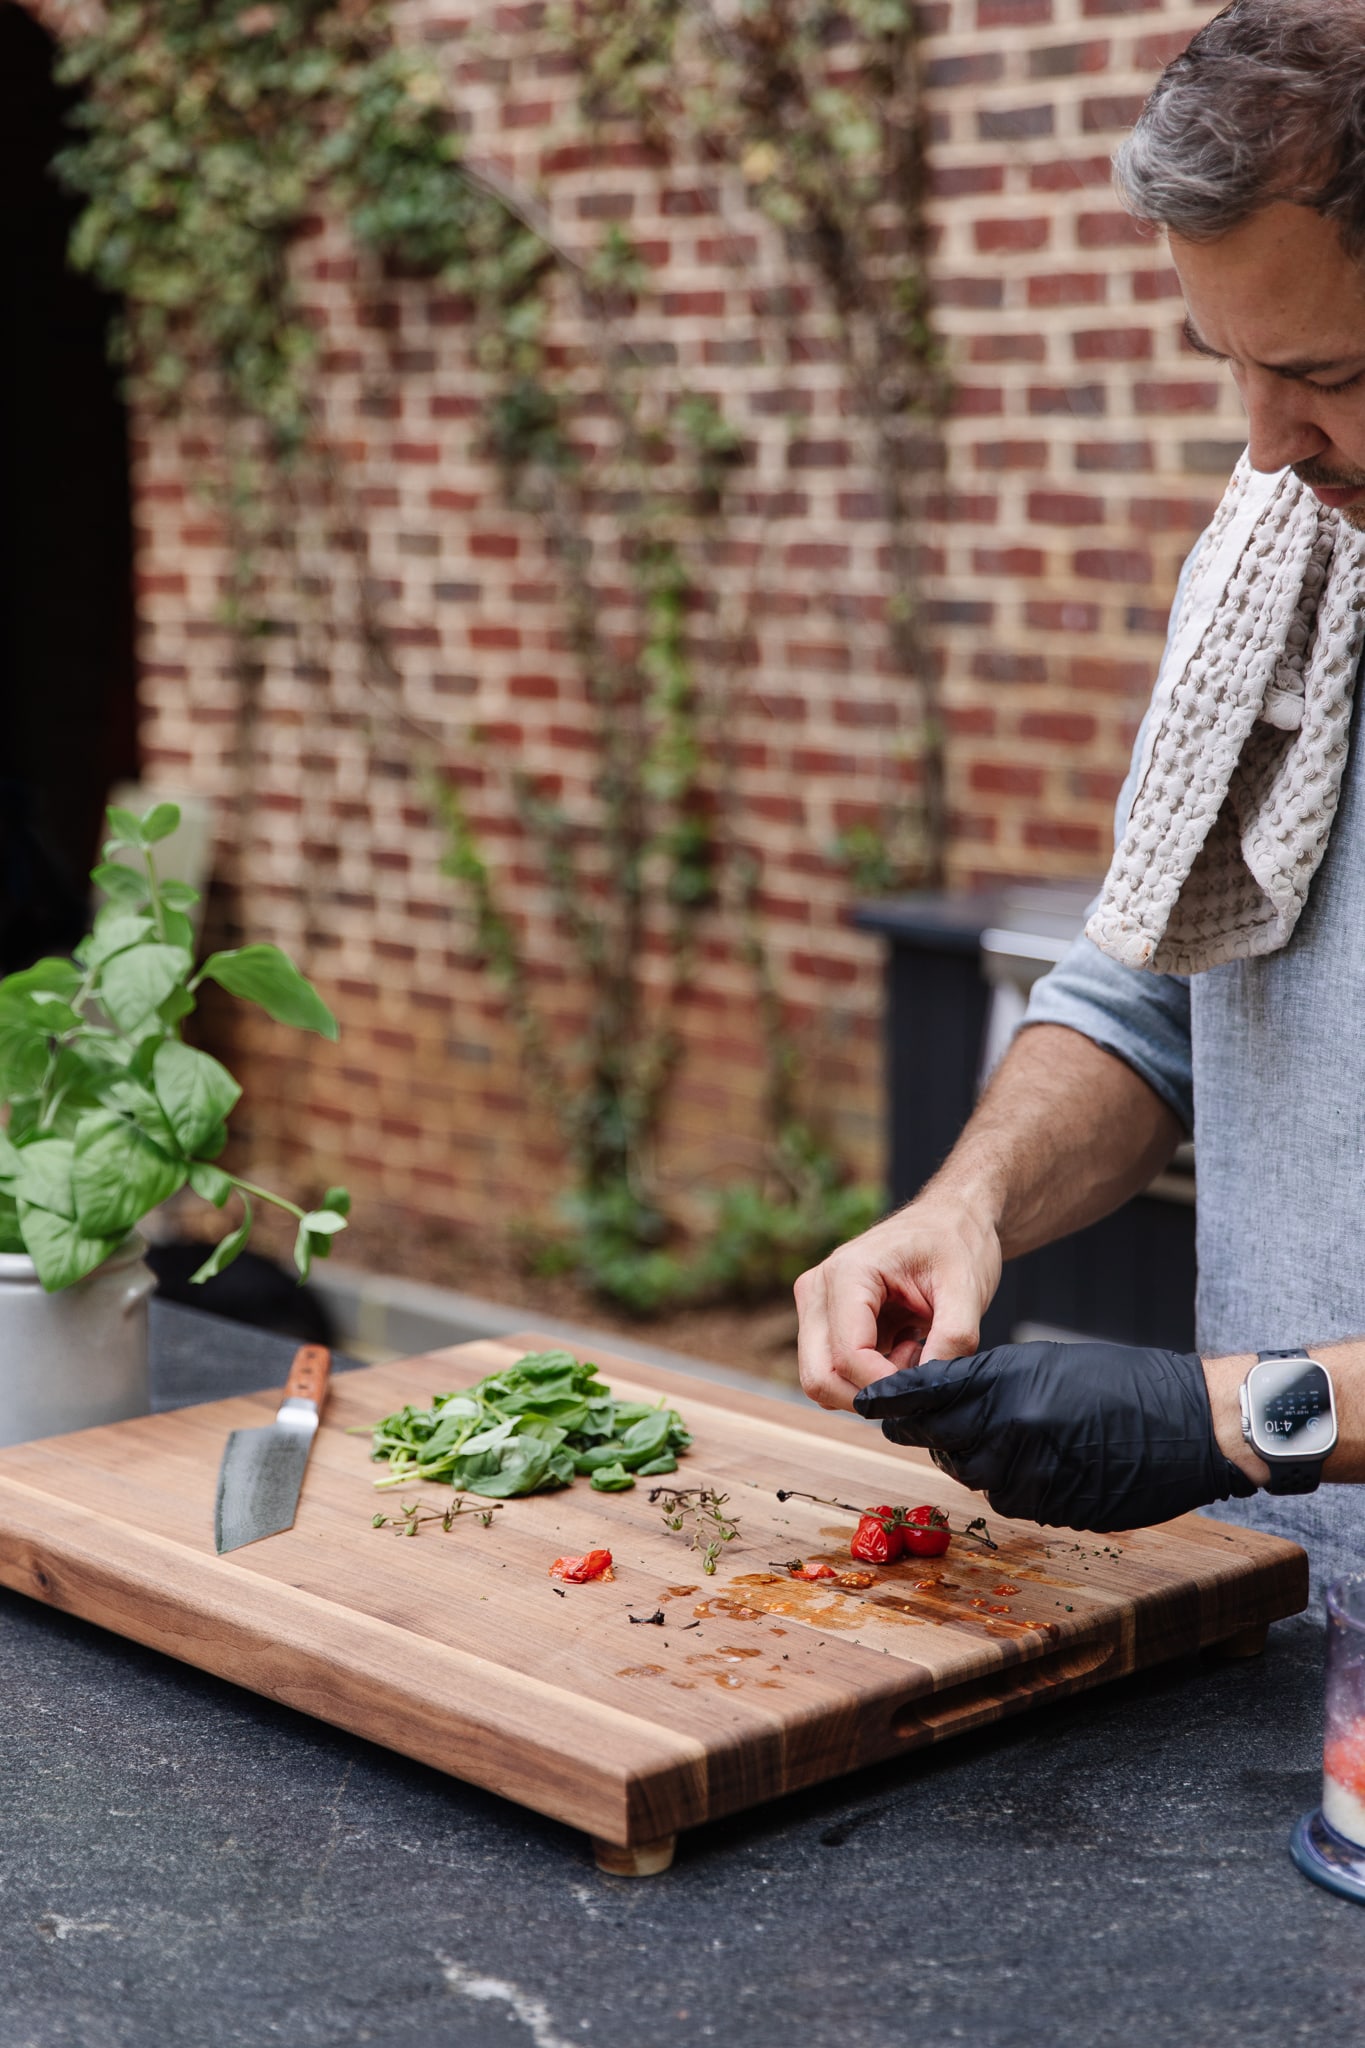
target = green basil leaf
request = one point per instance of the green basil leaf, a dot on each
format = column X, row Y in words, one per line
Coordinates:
column 9, row 1160
column 11, row 1237
column 210, row 1183
column 338, row 1199
column 179, row 895
column 121, row 884
column 159, row 822
column 194, row 1090
column 214, row 1143
column 323, row 1222
column 118, row 1174
column 178, row 930
column 265, row 975
column 115, row 930
column 59, row 1249
column 611, row 1479
column 177, row 1006
column 303, row 1251
column 45, row 977
column 225, row 1251
column 665, row 1462
column 135, row 982
column 44, row 1176
column 126, row 829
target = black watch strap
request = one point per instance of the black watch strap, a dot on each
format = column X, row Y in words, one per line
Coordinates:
column 1298, row 1477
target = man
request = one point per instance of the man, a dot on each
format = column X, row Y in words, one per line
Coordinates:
column 1222, row 981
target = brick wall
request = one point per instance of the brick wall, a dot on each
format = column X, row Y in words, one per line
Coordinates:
column 1085, row 452
column 1089, row 445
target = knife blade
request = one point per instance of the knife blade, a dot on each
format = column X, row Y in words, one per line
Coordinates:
column 262, row 1470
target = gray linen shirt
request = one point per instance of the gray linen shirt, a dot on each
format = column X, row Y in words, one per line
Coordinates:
column 1264, row 1061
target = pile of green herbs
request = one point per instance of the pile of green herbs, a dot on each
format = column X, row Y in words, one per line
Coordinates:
column 542, row 1423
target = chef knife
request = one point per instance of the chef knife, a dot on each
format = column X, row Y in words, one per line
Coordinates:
column 262, row 1469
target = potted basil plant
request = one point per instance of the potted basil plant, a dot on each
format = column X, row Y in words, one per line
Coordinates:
column 109, row 1113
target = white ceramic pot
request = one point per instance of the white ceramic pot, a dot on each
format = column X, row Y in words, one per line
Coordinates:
column 70, row 1360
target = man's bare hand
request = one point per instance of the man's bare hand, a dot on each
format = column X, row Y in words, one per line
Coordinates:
column 915, row 1286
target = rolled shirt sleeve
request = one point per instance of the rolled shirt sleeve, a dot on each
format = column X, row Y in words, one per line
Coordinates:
column 1141, row 1017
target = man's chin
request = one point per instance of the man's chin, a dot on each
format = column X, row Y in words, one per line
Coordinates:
column 1354, row 515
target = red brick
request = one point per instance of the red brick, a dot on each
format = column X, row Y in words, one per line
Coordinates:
column 1110, row 677
column 1112, row 230
column 502, row 547
column 1010, row 454
column 1112, row 345
column 993, row 236
column 542, row 687
column 1114, row 565
column 1008, row 348
column 1071, row 174
column 1175, row 395
column 1062, row 615
column 1156, row 284
column 1068, row 728
column 1005, row 778
column 1061, row 835
column 1065, row 508
column 1110, row 112
column 1170, row 515
column 1013, row 13
column 1008, row 561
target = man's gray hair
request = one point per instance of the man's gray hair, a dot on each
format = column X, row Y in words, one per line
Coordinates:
column 1267, row 103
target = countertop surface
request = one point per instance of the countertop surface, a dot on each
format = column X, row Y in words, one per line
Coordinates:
column 184, row 1865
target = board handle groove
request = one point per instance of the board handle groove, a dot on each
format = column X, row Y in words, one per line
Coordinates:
column 931, row 1715
column 309, row 1374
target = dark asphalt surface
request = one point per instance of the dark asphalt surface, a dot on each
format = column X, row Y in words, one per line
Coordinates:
column 185, row 1865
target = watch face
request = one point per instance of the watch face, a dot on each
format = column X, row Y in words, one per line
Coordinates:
column 1291, row 1409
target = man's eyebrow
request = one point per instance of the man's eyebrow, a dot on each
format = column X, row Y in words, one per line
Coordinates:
column 1306, row 368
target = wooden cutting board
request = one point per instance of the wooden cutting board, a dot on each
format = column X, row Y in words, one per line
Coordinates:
column 456, row 1648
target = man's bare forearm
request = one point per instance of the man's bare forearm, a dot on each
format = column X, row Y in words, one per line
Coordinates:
column 1064, row 1133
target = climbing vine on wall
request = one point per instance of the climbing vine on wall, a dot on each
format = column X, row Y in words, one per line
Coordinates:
column 212, row 136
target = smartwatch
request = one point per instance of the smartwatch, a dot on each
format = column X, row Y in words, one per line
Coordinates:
column 1289, row 1417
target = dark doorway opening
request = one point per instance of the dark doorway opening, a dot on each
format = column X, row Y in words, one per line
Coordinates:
column 68, row 726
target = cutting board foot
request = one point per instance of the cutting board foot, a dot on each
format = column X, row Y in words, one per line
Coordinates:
column 646, row 1859
column 1248, row 1642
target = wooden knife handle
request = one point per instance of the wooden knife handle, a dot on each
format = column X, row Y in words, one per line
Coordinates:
column 309, row 1374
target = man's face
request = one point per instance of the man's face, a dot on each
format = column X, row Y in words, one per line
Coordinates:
column 1282, row 304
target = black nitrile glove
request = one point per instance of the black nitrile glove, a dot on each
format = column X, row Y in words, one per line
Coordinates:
column 1079, row 1436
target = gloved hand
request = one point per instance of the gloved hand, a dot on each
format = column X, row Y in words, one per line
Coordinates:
column 1079, row 1436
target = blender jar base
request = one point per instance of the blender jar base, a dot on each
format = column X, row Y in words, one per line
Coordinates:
column 1328, row 1858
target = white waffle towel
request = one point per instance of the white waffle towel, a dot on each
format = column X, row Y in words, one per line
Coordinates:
column 1247, row 737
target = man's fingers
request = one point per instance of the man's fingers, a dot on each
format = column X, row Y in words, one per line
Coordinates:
column 956, row 1328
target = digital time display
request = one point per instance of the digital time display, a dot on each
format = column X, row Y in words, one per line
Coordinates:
column 1292, row 1407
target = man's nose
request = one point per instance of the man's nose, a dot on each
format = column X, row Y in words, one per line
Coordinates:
column 1280, row 424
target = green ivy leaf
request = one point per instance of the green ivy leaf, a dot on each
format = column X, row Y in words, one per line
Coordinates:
column 196, row 1092
column 225, row 1251
column 265, row 975
column 44, row 1176
column 210, row 1183
column 58, row 1247
column 159, row 822
column 119, row 1174
column 135, row 982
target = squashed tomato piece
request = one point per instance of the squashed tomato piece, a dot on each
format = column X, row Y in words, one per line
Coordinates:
column 814, row 1571
column 578, row 1570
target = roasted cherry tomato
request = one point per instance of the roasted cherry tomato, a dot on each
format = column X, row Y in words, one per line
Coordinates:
column 925, row 1532
column 876, row 1541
